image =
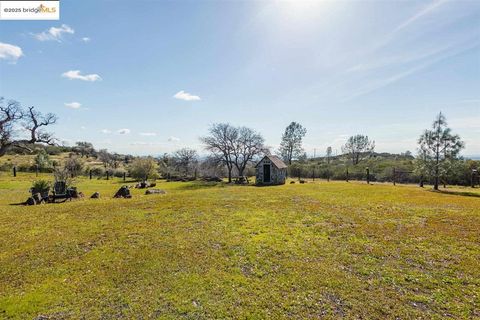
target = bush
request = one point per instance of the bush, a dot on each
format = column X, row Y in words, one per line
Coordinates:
column 96, row 171
column 143, row 168
column 24, row 167
column 119, row 173
column 42, row 160
column 6, row 166
column 40, row 186
column 74, row 165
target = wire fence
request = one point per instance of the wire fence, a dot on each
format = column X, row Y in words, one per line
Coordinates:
column 392, row 175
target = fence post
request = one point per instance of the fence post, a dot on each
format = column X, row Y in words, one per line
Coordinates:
column 347, row 174
column 90, row 174
column 368, row 175
column 14, row 171
column 394, row 175
column 474, row 173
column 313, row 173
column 36, row 170
column 108, row 175
column 124, row 176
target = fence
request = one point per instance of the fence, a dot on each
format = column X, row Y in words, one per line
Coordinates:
column 393, row 175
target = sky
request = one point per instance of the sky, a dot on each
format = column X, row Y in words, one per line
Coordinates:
column 149, row 77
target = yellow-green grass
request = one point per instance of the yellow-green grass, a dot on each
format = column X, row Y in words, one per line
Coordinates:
column 318, row 250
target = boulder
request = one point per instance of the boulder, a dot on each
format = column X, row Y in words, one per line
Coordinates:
column 292, row 182
column 123, row 192
column 37, row 197
column 96, row 195
column 144, row 184
column 73, row 192
column 155, row 191
column 31, row 201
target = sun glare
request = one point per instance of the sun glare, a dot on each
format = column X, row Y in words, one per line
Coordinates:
column 301, row 10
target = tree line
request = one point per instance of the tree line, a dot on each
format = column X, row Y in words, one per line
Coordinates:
column 231, row 149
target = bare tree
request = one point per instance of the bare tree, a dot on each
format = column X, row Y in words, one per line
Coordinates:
column 248, row 145
column 291, row 145
column 439, row 148
column 185, row 158
column 211, row 167
column 358, row 146
column 116, row 159
column 33, row 122
column 84, row 148
column 73, row 165
column 105, row 157
column 220, row 144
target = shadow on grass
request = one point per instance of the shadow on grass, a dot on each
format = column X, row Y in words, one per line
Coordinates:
column 266, row 185
column 18, row 204
column 458, row 193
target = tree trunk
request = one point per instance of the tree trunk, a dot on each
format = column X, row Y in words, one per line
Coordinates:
column 435, row 186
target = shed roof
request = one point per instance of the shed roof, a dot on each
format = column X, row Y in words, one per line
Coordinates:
column 275, row 160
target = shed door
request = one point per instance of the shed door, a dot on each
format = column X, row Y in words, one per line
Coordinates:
column 266, row 173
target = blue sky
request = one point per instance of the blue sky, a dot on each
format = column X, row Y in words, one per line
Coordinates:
column 147, row 77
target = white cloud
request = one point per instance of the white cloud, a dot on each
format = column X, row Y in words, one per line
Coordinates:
column 83, row 127
column 86, row 39
column 10, row 52
column 173, row 139
column 106, row 131
column 182, row 95
column 75, row 74
column 123, row 131
column 148, row 134
column 432, row 6
column 143, row 143
column 54, row 34
column 73, row 105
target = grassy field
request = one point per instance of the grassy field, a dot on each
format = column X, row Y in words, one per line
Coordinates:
column 319, row 250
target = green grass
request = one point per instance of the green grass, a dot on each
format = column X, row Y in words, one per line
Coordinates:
column 319, row 250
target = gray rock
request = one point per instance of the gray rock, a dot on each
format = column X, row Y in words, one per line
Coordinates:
column 38, row 198
column 96, row 195
column 155, row 191
column 31, row 201
column 123, row 192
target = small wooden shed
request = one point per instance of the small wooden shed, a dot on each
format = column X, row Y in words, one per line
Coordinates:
column 270, row 170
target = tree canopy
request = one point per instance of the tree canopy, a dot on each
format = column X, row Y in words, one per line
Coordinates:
column 438, row 149
column 291, row 144
column 358, row 147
